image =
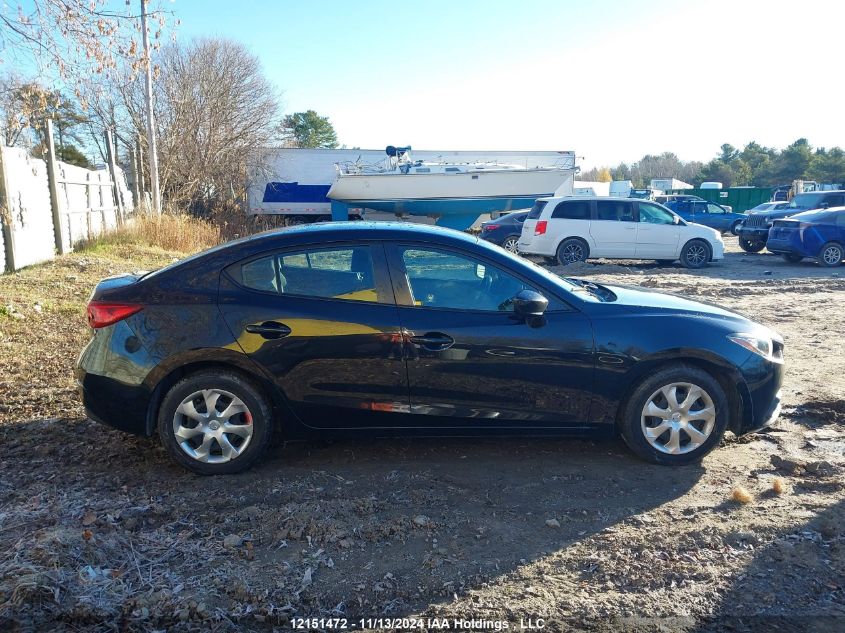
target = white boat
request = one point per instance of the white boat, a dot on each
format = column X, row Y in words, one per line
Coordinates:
column 455, row 193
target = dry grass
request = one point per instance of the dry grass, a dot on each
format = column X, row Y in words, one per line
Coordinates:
column 778, row 485
column 741, row 495
column 168, row 231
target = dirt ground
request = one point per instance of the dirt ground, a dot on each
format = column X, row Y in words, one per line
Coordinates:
column 101, row 531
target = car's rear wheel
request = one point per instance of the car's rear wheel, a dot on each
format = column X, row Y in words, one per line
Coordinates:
column 751, row 246
column 735, row 227
column 215, row 422
column 792, row 259
column 572, row 250
column 695, row 254
column 511, row 243
column 676, row 416
column 831, row 254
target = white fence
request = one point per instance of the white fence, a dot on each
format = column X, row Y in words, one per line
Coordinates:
column 32, row 231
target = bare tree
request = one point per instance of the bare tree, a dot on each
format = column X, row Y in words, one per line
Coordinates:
column 214, row 110
column 76, row 38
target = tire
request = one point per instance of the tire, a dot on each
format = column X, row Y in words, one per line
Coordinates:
column 656, row 390
column 510, row 243
column 572, row 250
column 831, row 254
column 695, row 254
column 250, row 419
column 734, row 230
column 792, row 259
column 751, row 246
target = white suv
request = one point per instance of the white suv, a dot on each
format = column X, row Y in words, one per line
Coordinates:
column 575, row 228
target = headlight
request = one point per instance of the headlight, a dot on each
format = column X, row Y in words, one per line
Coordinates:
column 762, row 345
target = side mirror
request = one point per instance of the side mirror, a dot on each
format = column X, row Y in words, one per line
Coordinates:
column 528, row 303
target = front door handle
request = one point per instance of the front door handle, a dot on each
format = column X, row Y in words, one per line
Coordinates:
column 434, row 341
column 269, row 329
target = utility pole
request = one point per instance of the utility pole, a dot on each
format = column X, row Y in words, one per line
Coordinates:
column 151, row 133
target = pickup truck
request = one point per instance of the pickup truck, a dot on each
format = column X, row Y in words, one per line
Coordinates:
column 754, row 232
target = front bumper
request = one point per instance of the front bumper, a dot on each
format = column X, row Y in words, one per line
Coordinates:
column 764, row 380
column 756, row 234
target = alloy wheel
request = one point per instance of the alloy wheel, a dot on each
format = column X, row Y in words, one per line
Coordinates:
column 212, row 426
column 510, row 244
column 678, row 418
column 832, row 255
column 572, row 253
column 696, row 254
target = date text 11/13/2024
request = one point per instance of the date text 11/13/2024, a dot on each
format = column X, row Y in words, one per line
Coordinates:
column 421, row 624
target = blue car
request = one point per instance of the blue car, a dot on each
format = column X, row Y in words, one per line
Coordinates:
column 504, row 230
column 819, row 234
column 707, row 213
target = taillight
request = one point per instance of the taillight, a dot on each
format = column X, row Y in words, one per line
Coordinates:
column 490, row 227
column 540, row 229
column 101, row 314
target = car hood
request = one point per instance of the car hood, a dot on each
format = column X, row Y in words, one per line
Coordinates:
column 780, row 213
column 636, row 299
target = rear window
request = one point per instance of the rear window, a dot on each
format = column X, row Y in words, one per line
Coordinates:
column 825, row 217
column 536, row 210
column 572, row 210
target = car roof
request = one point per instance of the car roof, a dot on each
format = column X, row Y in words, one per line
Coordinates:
column 619, row 198
column 358, row 230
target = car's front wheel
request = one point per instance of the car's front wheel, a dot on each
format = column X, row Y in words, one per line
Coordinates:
column 572, row 250
column 751, row 246
column 695, row 254
column 215, row 422
column 831, row 254
column 735, row 227
column 676, row 416
column 511, row 243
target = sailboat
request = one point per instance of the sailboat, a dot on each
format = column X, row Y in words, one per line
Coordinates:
column 454, row 193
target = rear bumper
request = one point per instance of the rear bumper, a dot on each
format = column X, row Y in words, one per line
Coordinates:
column 784, row 248
column 110, row 378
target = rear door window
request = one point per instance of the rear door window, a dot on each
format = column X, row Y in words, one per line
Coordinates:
column 615, row 210
column 572, row 210
column 343, row 272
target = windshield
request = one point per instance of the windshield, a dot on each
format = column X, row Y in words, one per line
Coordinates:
column 806, row 201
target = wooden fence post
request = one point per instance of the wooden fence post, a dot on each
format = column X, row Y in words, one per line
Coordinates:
column 118, row 200
column 53, row 179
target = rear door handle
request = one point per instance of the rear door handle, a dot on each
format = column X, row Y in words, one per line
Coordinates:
column 269, row 329
column 435, row 341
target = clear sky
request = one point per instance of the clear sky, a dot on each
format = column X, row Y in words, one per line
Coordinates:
column 612, row 80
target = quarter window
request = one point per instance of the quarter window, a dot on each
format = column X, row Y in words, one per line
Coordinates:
column 536, row 210
column 442, row 279
column 329, row 273
column 572, row 210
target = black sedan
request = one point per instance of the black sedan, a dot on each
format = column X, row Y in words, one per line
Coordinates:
column 397, row 329
column 504, row 230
